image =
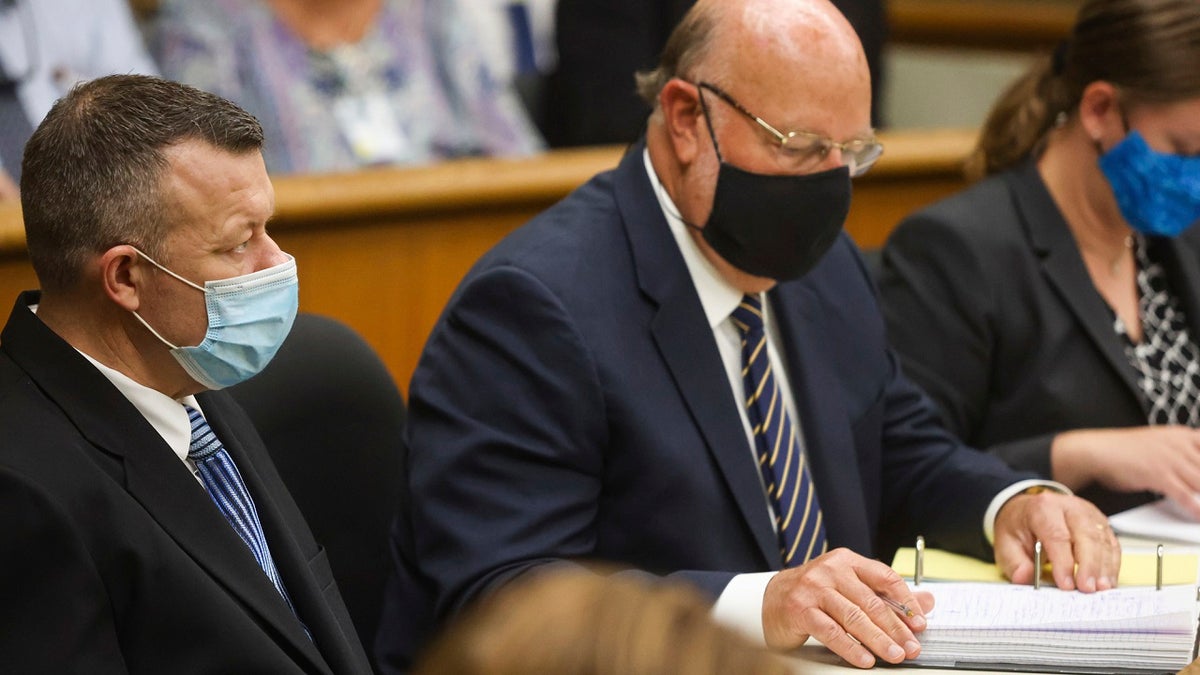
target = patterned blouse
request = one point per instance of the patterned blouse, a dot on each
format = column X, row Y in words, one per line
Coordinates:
column 415, row 88
column 1167, row 360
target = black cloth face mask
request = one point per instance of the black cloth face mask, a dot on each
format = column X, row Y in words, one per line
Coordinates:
column 770, row 226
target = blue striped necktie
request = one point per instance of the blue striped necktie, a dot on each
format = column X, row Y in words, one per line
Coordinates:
column 224, row 484
column 784, row 469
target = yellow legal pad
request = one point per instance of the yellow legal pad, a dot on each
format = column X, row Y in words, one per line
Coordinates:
column 1137, row 568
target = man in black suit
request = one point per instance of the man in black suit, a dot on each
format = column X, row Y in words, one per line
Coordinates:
column 145, row 528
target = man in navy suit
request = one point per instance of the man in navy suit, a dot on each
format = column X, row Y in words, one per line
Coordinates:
column 600, row 383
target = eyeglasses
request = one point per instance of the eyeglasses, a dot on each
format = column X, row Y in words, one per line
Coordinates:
column 803, row 151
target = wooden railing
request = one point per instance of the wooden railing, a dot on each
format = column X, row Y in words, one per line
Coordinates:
column 1016, row 25
column 382, row 249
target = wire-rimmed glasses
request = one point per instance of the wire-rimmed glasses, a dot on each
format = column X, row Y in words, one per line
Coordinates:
column 803, row 151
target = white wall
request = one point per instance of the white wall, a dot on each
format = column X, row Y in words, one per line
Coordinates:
column 931, row 87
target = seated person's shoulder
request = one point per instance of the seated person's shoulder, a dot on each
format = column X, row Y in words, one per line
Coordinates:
column 982, row 220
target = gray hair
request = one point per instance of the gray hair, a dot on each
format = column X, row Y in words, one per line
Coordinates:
column 687, row 46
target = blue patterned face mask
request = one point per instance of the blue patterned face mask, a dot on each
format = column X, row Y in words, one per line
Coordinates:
column 1158, row 192
column 248, row 318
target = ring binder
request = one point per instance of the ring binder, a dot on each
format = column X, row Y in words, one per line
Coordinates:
column 919, row 566
column 1148, row 624
column 1037, row 564
column 1158, row 552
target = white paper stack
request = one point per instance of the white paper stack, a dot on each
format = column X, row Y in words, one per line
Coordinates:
column 1161, row 520
column 1002, row 626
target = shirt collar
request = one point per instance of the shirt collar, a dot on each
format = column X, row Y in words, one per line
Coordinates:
column 164, row 413
column 718, row 297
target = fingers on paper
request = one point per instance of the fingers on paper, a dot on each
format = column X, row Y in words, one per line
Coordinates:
column 1096, row 549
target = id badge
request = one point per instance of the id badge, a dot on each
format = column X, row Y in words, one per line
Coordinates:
column 370, row 126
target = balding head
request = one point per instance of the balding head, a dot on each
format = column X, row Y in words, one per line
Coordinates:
column 792, row 65
column 791, row 40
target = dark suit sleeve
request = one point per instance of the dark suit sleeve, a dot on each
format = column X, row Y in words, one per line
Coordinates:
column 507, row 437
column 942, row 317
column 55, row 614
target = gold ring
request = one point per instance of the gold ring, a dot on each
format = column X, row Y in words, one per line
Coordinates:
column 1101, row 526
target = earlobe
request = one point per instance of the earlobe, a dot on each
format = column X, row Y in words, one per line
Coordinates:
column 120, row 276
column 682, row 117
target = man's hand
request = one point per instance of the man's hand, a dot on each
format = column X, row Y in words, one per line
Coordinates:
column 835, row 598
column 1075, row 537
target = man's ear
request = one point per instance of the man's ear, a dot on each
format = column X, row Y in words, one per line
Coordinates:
column 1100, row 114
column 683, row 118
column 122, row 277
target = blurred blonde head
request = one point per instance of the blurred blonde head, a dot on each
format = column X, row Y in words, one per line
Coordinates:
column 572, row 622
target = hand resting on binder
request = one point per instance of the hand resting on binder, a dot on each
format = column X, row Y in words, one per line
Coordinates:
column 1075, row 536
column 835, row 597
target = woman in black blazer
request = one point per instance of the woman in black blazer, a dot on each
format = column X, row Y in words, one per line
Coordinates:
column 1053, row 309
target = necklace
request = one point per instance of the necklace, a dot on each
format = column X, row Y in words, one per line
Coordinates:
column 1115, row 264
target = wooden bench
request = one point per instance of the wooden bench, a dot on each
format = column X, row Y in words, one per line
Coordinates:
column 382, row 249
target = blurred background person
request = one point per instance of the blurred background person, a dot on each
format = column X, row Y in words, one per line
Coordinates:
column 341, row 84
column 572, row 622
column 1052, row 310
column 591, row 97
column 46, row 46
column 518, row 40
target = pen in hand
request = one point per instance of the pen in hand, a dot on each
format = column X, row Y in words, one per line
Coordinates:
column 896, row 605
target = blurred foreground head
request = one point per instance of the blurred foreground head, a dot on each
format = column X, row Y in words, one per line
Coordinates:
column 573, row 622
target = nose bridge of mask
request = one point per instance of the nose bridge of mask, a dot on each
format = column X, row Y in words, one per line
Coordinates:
column 281, row 274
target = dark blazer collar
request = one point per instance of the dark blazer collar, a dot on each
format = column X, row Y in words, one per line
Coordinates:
column 1052, row 242
column 154, row 475
column 680, row 331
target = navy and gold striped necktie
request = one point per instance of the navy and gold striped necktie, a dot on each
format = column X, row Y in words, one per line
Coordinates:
column 784, row 469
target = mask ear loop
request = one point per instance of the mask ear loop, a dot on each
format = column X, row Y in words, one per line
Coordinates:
column 155, row 333
column 155, row 263
column 139, row 317
column 708, row 122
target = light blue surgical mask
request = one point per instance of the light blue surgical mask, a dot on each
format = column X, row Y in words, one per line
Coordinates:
column 248, row 318
column 1158, row 192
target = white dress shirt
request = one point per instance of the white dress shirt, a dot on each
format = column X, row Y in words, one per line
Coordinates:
column 740, row 604
column 164, row 413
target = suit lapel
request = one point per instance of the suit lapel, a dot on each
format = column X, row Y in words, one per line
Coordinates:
column 824, row 421
column 1052, row 242
column 680, row 331
column 154, row 476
